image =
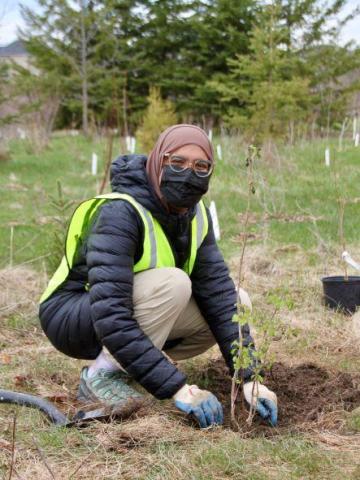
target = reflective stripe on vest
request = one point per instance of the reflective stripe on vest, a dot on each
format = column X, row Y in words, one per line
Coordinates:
column 157, row 252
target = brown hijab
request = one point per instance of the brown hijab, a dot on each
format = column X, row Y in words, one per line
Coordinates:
column 170, row 140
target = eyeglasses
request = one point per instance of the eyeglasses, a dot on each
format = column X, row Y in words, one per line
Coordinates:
column 178, row 163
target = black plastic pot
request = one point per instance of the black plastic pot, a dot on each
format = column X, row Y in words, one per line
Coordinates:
column 342, row 294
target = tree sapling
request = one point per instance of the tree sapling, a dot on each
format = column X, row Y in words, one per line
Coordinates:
column 243, row 355
column 341, row 292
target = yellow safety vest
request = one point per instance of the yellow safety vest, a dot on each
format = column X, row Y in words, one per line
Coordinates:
column 157, row 252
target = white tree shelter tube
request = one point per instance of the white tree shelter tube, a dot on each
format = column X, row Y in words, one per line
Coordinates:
column 350, row 261
column 215, row 220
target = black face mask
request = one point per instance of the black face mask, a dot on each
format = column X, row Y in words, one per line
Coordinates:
column 183, row 189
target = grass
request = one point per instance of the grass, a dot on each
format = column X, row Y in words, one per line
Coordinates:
column 28, row 181
column 296, row 183
column 294, row 222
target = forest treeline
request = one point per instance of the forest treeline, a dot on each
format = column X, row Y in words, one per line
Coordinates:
column 271, row 67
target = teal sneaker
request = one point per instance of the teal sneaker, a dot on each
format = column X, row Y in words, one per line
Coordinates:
column 107, row 387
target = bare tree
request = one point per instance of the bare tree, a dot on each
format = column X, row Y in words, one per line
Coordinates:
column 60, row 37
column 83, row 68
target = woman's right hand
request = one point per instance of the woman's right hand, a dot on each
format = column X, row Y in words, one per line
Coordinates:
column 203, row 405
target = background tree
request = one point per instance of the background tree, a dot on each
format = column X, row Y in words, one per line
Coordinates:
column 119, row 90
column 330, row 68
column 279, row 83
column 263, row 91
column 253, row 64
column 38, row 98
column 5, row 95
column 185, row 43
column 222, row 31
column 60, row 40
column 6, row 116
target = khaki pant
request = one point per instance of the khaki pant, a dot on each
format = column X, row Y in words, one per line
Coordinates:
column 165, row 310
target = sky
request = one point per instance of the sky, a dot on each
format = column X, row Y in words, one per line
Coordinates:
column 10, row 19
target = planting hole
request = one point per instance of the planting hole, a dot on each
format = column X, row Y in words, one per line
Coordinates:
column 308, row 395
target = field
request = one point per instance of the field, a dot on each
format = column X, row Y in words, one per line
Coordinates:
column 293, row 243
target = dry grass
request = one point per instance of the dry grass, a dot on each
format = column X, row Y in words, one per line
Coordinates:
column 20, row 287
column 309, row 330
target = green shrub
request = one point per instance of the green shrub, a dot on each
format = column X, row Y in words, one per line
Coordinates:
column 159, row 115
column 61, row 208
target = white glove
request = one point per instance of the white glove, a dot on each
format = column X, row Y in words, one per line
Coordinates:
column 244, row 299
column 263, row 400
column 202, row 404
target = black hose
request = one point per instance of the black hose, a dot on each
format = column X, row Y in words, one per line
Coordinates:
column 58, row 418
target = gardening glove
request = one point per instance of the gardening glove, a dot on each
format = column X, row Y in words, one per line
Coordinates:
column 263, row 400
column 244, row 299
column 203, row 405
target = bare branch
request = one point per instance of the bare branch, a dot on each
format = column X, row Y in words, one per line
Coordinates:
column 43, row 458
column 12, row 448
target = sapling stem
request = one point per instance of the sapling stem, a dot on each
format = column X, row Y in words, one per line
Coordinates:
column 252, row 407
column 342, row 204
column 341, row 211
column 253, row 153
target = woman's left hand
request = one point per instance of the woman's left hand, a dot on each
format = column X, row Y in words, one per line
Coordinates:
column 263, row 400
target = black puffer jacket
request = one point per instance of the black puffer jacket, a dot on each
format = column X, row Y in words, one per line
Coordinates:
column 106, row 260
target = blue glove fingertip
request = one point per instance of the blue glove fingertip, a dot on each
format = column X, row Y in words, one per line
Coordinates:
column 267, row 410
column 199, row 414
column 219, row 415
column 260, row 408
column 215, row 406
column 272, row 407
column 209, row 412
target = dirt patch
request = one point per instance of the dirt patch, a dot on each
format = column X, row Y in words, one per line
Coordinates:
column 308, row 395
column 307, row 392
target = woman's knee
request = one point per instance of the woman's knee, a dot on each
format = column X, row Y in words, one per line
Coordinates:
column 162, row 284
column 180, row 285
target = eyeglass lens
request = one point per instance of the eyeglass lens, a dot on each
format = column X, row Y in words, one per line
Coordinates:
column 202, row 167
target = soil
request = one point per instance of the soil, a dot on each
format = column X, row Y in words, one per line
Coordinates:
column 307, row 393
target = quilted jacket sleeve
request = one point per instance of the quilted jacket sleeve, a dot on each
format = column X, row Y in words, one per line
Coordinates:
column 215, row 294
column 111, row 248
